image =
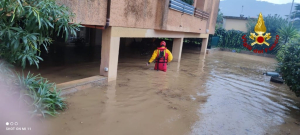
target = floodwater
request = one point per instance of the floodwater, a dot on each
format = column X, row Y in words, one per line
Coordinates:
column 220, row 93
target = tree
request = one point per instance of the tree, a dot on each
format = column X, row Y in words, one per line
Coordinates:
column 295, row 16
column 28, row 25
column 287, row 32
column 220, row 17
column 219, row 20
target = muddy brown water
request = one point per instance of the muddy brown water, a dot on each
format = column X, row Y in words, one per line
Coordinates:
column 221, row 93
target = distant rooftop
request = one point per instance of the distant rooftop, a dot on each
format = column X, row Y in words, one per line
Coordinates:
column 235, row 17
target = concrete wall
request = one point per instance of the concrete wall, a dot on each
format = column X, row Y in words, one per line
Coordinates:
column 185, row 23
column 92, row 12
column 133, row 13
column 146, row 14
column 213, row 16
column 200, row 4
column 235, row 24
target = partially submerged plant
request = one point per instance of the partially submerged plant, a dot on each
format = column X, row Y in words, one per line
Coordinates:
column 40, row 95
column 289, row 66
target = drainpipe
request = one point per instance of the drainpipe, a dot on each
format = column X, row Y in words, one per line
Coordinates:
column 107, row 14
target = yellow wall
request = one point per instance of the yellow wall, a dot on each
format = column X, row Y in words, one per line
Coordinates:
column 235, row 24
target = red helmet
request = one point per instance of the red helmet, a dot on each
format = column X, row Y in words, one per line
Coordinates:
column 163, row 43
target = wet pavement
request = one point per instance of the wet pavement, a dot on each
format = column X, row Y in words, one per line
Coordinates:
column 221, row 93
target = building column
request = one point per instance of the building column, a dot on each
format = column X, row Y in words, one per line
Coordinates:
column 204, row 45
column 177, row 49
column 109, row 55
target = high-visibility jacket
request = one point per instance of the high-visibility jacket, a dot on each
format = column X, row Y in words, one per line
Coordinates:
column 161, row 62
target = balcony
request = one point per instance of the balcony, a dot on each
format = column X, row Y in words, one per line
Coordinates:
column 181, row 6
column 186, row 8
column 201, row 14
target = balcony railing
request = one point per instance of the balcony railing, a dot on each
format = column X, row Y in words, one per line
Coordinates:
column 181, row 7
column 201, row 14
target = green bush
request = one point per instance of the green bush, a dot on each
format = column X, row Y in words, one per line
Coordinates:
column 289, row 66
column 231, row 38
column 26, row 26
column 41, row 95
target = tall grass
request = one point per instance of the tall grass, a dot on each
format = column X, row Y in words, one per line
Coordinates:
column 41, row 96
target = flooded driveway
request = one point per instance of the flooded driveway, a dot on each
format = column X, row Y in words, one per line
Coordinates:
column 222, row 93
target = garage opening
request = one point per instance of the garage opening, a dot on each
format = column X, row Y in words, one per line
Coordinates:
column 77, row 58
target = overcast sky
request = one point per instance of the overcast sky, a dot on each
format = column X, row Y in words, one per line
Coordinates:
column 277, row 1
column 280, row 1
column 252, row 8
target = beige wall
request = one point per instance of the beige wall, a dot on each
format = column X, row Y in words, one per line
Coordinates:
column 235, row 24
column 146, row 14
column 200, row 4
column 213, row 16
column 92, row 12
column 185, row 23
column 133, row 13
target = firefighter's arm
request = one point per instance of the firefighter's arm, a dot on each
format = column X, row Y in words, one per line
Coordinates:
column 154, row 55
column 170, row 56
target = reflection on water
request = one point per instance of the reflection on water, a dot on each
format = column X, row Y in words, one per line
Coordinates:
column 222, row 93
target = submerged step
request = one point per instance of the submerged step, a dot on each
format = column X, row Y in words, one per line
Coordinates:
column 76, row 85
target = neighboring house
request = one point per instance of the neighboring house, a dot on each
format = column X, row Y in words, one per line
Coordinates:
column 235, row 23
column 116, row 19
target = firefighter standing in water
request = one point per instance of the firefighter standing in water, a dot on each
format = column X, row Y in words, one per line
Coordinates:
column 162, row 57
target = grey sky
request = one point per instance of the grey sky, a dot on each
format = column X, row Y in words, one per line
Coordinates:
column 253, row 7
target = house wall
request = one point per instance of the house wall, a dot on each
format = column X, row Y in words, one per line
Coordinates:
column 213, row 16
column 185, row 23
column 133, row 13
column 235, row 24
column 145, row 14
column 91, row 12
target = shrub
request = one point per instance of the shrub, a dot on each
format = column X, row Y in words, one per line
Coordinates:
column 28, row 25
column 230, row 38
column 289, row 66
column 41, row 95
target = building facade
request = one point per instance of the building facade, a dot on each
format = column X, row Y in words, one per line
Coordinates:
column 116, row 19
column 235, row 23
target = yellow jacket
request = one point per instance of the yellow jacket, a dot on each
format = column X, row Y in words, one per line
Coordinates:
column 155, row 53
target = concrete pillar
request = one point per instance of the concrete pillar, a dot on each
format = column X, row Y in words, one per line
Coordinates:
column 177, row 49
column 109, row 55
column 204, row 45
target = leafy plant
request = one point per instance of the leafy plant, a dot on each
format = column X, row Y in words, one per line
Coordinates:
column 230, row 38
column 220, row 17
column 289, row 66
column 40, row 95
column 287, row 32
column 295, row 16
column 28, row 25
